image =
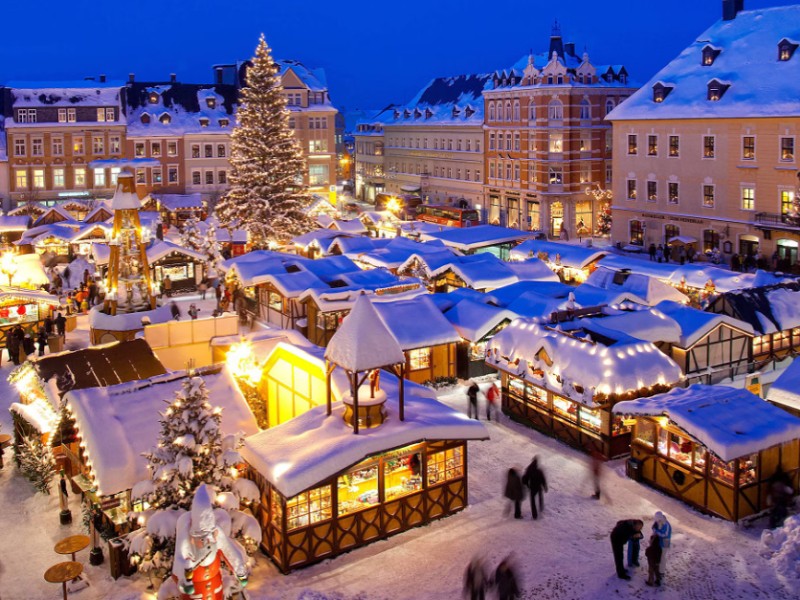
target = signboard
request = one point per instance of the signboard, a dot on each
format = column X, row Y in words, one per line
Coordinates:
column 109, row 503
column 332, row 195
column 753, row 383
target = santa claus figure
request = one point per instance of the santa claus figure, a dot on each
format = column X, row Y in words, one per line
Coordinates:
column 201, row 547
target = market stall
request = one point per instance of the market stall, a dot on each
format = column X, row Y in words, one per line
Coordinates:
column 184, row 267
column 566, row 382
column 714, row 447
column 24, row 307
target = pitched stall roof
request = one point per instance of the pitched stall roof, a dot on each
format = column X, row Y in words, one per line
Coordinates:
column 416, row 323
column 474, row 320
column 480, row 236
column 569, row 255
column 648, row 289
column 767, row 309
column 785, row 389
column 730, row 422
column 760, row 85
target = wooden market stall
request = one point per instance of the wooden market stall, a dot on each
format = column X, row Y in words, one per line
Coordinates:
column 572, row 263
column 25, row 307
column 324, row 490
column 185, row 267
column 565, row 382
column 713, row 447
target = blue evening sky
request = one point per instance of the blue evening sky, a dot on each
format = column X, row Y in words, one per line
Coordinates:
column 374, row 52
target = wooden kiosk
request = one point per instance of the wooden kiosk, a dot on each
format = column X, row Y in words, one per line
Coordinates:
column 357, row 470
column 714, row 447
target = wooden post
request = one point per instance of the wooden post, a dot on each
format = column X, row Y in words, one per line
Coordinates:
column 402, row 392
column 355, row 403
column 736, row 490
column 328, row 372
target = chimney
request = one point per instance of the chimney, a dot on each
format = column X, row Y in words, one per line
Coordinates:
column 731, row 8
column 218, row 72
column 131, row 77
column 173, row 78
column 102, row 78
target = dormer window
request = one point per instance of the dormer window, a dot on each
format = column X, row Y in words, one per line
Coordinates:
column 211, row 102
column 153, row 98
column 456, row 112
column 660, row 92
column 717, row 89
column 710, row 54
column 406, row 114
column 397, row 114
column 145, row 119
column 203, row 122
column 224, row 122
column 469, row 111
column 786, row 49
column 417, row 113
column 165, row 119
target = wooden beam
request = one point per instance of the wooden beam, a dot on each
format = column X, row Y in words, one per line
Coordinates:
column 402, row 400
column 328, row 372
column 356, row 385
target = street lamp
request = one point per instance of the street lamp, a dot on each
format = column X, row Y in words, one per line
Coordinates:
column 8, row 265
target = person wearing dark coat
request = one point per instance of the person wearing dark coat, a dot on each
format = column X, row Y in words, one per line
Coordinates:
column 176, row 312
column 652, row 252
column 506, row 581
column 514, row 492
column 12, row 345
column 41, row 340
column 653, row 554
column 535, row 481
column 472, row 395
column 28, row 345
column 61, row 324
column 623, row 532
column 48, row 325
column 475, row 580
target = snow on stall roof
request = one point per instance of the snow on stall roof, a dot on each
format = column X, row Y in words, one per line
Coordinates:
column 291, row 285
column 785, row 390
column 14, row 223
column 585, row 357
column 785, row 305
column 327, row 268
column 353, row 226
column 649, row 324
column 761, row 85
column 159, row 249
column 587, row 295
column 648, row 289
column 480, row 236
column 120, row 422
column 695, row 324
column 532, row 269
column 128, row 321
column 767, row 309
column 322, row 237
column 9, row 292
column 569, row 255
column 39, row 413
column 416, row 323
column 731, row 422
column 309, row 449
column 474, row 320
column 507, row 294
column 363, row 341
column 536, row 306
column 175, row 202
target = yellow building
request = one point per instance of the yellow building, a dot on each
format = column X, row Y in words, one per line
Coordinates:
column 707, row 148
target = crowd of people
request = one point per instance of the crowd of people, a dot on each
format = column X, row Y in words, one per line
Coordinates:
column 742, row 263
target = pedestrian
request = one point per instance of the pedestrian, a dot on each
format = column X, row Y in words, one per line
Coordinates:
column 472, row 396
column 775, row 260
column 48, row 325
column 86, row 277
column 736, row 264
column 633, row 553
column 167, row 283
column 12, row 345
column 667, row 252
column 654, row 553
column 621, row 534
column 660, row 253
column 176, row 312
column 41, row 340
column 536, row 482
column 61, row 324
column 780, row 496
column 663, row 529
column 652, row 251
column 218, row 293
column 505, row 580
column 491, row 402
column 193, row 311
column 202, row 288
column 28, row 347
column 596, row 470
column 66, row 273
column 475, row 580
column 92, row 292
column 514, row 492
column 682, row 255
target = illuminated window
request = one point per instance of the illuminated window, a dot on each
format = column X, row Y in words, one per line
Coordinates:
column 787, row 202
column 141, row 177
column 58, row 146
column 155, row 149
column 58, row 178
column 445, row 465
column 157, row 176
column 556, row 144
column 308, row 508
column 114, row 144
column 748, row 198
column 77, row 145
column 674, row 194
column 633, row 144
column 71, row 116
column 98, row 145
column 556, row 176
column 101, row 115
column 110, row 115
column 165, row 119
column 80, row 177
column 419, row 358
column 21, row 179
column 115, row 171
column 709, row 146
column 138, row 149
column 748, row 147
column 708, row 196
column 99, row 178
column 652, row 191
column 172, row 148
column 652, row 145
column 631, row 189
column 195, row 150
column 674, row 146
column 787, row 149
column 62, row 115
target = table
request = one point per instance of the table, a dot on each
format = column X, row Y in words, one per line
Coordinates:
column 62, row 573
column 72, row 544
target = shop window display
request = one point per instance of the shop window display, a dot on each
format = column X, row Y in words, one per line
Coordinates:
column 646, row 432
column 618, row 427
column 401, row 473
column 276, row 510
column 21, row 313
column 445, row 465
column 275, row 301
column 358, row 489
column 565, row 408
column 590, row 419
column 309, row 507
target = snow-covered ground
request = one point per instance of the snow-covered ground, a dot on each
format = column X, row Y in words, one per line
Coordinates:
column 564, row 555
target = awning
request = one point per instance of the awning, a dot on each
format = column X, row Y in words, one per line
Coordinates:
column 410, row 188
column 682, row 240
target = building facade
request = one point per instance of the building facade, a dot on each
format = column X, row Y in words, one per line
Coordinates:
column 56, row 131
column 547, row 140
column 369, row 159
column 709, row 156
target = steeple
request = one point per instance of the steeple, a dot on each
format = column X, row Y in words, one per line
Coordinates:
column 556, row 43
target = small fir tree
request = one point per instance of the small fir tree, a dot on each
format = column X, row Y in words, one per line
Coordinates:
column 191, row 235
column 266, row 196
column 210, row 247
column 604, row 219
column 36, row 463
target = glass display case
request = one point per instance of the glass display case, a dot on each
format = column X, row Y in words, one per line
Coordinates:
column 646, row 432
column 401, row 473
column 445, row 465
column 358, row 488
column 309, row 507
column 590, row 419
column 565, row 408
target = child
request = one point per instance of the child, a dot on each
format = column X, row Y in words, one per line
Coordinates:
column 653, row 554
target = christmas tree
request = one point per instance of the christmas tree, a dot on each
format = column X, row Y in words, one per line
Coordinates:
column 191, row 234
column 266, row 196
column 210, row 247
column 36, row 463
column 604, row 219
column 191, row 450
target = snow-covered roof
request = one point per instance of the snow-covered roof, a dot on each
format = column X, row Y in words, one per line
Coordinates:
column 14, row 223
column 767, row 309
column 173, row 202
column 45, row 232
column 118, row 423
column 55, row 211
column 46, row 94
column 363, row 341
column 587, row 295
column 730, row 422
column 343, row 299
column 647, row 324
column 785, row 390
column 159, row 249
column 695, row 324
column 127, row 321
column 320, row 237
column 474, row 320
column 532, row 269
column 569, row 255
column 648, row 289
column 313, row 447
column 416, row 323
column 122, row 199
column 479, row 236
column 760, row 84
column 314, row 79
column 509, row 293
column 353, row 226
column 594, row 359
column 39, row 413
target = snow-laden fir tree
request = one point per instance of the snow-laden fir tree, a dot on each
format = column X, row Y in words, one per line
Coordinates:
column 604, row 219
column 210, row 247
column 191, row 450
column 36, row 462
column 192, row 234
column 266, row 197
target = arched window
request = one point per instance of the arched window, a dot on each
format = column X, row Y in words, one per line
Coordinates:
column 508, row 110
column 516, row 110
column 532, row 111
column 555, row 111
column 609, row 106
column 491, row 111
column 586, row 110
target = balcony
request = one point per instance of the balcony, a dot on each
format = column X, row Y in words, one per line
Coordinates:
column 782, row 222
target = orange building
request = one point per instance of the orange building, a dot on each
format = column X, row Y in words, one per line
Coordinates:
column 546, row 140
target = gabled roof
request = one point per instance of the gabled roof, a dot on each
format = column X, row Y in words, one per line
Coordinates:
column 695, row 324
column 569, row 255
column 474, row 320
column 766, row 309
column 760, row 84
column 730, row 422
column 479, row 236
column 416, row 323
column 785, row 390
column 648, row 290
column 173, row 202
column 314, row 79
column 14, row 223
